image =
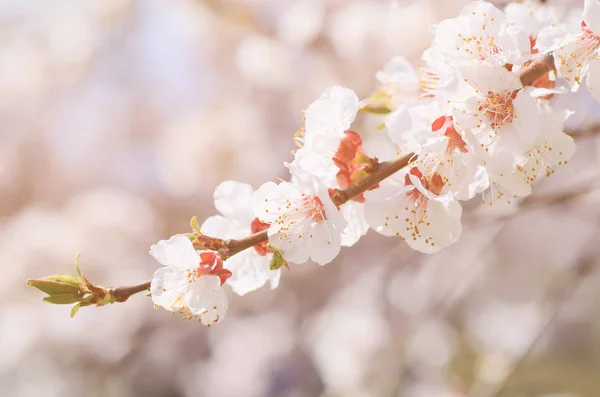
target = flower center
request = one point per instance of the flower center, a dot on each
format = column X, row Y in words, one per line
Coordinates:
column 499, row 108
column 210, row 264
column 481, row 47
column 313, row 208
column 434, row 183
column 429, row 82
column 455, row 141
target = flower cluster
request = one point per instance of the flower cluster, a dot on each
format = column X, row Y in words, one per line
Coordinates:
column 463, row 123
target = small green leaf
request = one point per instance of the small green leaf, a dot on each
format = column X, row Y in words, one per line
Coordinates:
column 77, row 264
column 376, row 109
column 61, row 299
column 277, row 261
column 56, row 284
column 194, row 224
column 75, row 308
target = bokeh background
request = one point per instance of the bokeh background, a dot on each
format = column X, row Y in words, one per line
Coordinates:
column 118, row 118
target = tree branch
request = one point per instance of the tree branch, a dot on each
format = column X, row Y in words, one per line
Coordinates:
column 537, row 69
column 121, row 294
column 228, row 248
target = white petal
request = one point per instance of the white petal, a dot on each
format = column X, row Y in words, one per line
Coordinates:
column 293, row 246
column 274, row 277
column 250, row 271
column 354, row 213
column 232, row 199
column 332, row 113
column 593, row 79
column 397, row 71
column 169, row 287
column 324, row 243
column 224, row 228
column 515, row 183
column 269, row 199
column 591, row 15
column 444, row 226
column 207, row 299
column 346, row 102
column 177, row 251
column 527, row 121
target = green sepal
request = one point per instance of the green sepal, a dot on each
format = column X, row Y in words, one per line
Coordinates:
column 194, row 224
column 61, row 299
column 56, row 284
column 277, row 262
column 75, row 308
column 376, row 109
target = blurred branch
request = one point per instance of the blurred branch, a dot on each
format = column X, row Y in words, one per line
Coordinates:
column 589, row 131
column 558, row 293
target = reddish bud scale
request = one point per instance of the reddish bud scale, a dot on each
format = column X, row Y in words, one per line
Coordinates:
column 353, row 164
column 455, row 141
column 434, row 184
column 212, row 264
column 263, row 248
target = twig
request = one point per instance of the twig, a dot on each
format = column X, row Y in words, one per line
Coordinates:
column 537, row 69
column 381, row 171
column 556, row 293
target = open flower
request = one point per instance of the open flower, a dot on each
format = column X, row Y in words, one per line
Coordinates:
column 481, row 36
column 577, row 57
column 333, row 154
column 414, row 207
column 190, row 282
column 304, row 222
column 496, row 117
column 250, row 268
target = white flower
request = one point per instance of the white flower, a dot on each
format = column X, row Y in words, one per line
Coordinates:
column 402, row 84
column 332, row 153
column 578, row 56
column 327, row 118
column 497, row 118
column 533, row 16
column 249, row 268
column 413, row 206
column 431, row 135
column 189, row 283
column 304, row 221
column 481, row 35
column 552, row 148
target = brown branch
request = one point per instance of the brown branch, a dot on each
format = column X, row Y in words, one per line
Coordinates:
column 381, row 171
column 537, row 69
column 121, row 294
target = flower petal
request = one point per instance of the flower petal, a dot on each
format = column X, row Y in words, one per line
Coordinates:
column 207, row 300
column 593, row 79
column 169, row 287
column 232, row 198
column 250, row 271
column 324, row 243
column 177, row 251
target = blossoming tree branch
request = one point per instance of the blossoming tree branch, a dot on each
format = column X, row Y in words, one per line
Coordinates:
column 477, row 117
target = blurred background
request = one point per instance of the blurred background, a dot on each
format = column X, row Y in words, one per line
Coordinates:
column 120, row 117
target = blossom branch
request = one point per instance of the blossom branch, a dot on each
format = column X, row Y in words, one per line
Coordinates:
column 537, row 69
column 121, row 294
column 227, row 248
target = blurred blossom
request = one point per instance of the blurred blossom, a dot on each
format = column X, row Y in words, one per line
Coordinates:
column 344, row 343
column 503, row 328
column 265, row 63
column 120, row 117
column 430, row 344
column 301, row 22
